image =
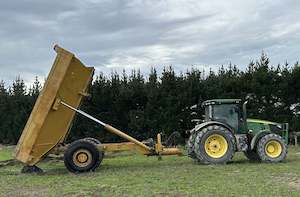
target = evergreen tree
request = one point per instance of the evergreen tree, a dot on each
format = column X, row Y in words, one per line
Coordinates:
column 19, row 107
column 35, row 88
column 142, row 106
column 3, row 111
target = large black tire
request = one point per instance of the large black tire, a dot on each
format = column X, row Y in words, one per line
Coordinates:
column 190, row 145
column 86, row 148
column 208, row 132
column 279, row 148
column 252, row 155
column 96, row 141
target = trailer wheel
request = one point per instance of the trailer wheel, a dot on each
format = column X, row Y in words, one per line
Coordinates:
column 95, row 141
column 252, row 155
column 214, row 145
column 271, row 148
column 82, row 156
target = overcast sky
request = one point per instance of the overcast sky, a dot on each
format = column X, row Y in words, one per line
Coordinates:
column 112, row 35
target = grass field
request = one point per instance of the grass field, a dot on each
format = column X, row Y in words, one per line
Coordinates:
column 136, row 175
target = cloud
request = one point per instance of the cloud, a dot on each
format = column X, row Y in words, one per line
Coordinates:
column 142, row 33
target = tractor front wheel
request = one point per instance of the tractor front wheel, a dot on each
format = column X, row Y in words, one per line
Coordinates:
column 82, row 156
column 271, row 148
column 214, row 144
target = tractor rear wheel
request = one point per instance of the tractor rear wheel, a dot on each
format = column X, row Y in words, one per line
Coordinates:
column 252, row 155
column 214, row 144
column 190, row 145
column 82, row 156
column 271, row 148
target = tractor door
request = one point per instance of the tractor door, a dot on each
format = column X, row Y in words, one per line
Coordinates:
column 228, row 114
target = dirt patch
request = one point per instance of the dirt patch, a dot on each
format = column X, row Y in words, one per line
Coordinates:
column 37, row 190
column 292, row 180
column 295, row 185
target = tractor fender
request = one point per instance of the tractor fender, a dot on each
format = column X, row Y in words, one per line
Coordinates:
column 256, row 137
column 205, row 124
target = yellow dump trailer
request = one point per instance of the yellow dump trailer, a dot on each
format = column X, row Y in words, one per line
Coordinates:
column 48, row 124
column 52, row 116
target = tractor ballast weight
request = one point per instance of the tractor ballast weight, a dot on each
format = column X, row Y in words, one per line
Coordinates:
column 52, row 116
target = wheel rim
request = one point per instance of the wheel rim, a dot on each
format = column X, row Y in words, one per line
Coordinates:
column 216, row 146
column 273, row 148
column 82, row 158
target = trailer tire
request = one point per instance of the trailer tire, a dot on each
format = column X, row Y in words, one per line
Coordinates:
column 214, row 144
column 82, row 156
column 271, row 148
column 96, row 142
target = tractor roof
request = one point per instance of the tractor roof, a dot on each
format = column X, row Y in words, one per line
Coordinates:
column 221, row 101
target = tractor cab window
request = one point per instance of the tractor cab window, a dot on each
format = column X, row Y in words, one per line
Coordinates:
column 208, row 113
column 228, row 113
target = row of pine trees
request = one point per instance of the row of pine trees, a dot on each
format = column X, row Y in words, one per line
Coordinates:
column 160, row 102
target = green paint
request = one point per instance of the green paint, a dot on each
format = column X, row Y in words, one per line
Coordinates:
column 257, row 126
column 127, row 174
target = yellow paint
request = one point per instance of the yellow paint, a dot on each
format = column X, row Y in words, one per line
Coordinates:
column 123, row 135
column 171, row 151
column 125, row 146
column 273, row 149
column 216, row 146
column 49, row 122
column 82, row 158
column 158, row 145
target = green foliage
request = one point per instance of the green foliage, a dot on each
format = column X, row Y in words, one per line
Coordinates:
column 142, row 106
column 126, row 174
column 15, row 107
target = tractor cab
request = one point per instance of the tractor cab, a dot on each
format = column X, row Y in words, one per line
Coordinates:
column 227, row 111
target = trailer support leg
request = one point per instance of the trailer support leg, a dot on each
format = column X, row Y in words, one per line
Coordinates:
column 31, row 169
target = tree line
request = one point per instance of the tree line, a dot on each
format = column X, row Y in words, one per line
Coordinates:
column 160, row 102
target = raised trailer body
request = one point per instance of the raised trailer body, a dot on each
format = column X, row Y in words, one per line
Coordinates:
column 54, row 110
column 47, row 125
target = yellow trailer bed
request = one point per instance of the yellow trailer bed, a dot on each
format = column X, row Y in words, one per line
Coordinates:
column 47, row 125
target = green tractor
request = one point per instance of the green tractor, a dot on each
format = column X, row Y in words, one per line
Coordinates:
column 227, row 130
